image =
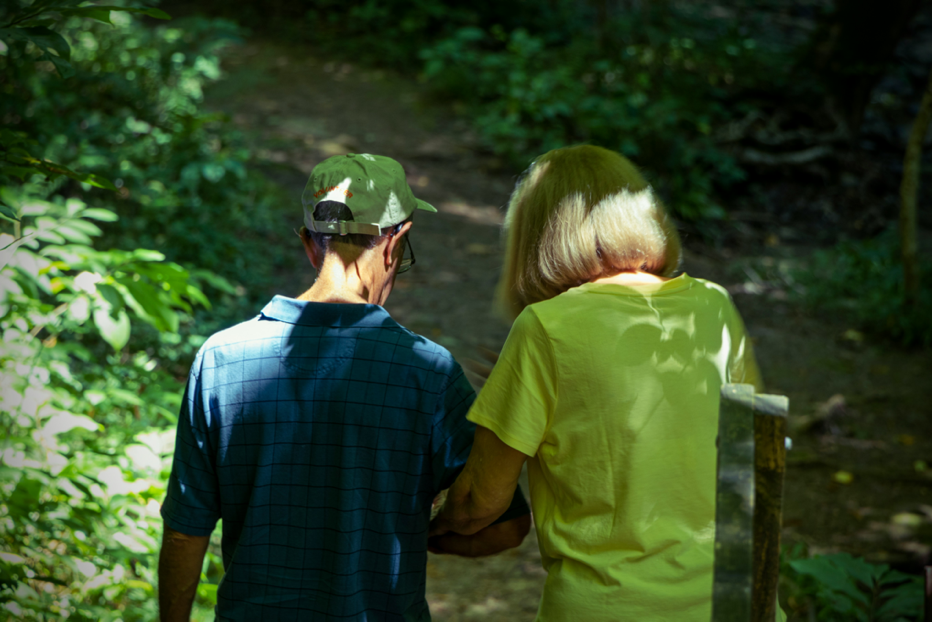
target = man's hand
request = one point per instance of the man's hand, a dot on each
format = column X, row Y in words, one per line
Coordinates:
column 179, row 571
column 485, row 488
column 493, row 539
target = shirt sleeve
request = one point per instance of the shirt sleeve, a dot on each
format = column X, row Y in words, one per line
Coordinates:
column 744, row 369
column 452, row 434
column 192, row 504
column 518, row 400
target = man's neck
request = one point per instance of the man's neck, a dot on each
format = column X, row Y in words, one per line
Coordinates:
column 342, row 284
column 337, row 296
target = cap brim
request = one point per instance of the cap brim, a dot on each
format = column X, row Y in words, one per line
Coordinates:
column 427, row 207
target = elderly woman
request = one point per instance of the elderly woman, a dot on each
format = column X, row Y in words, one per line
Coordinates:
column 608, row 386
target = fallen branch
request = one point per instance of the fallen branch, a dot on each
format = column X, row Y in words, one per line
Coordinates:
column 795, row 158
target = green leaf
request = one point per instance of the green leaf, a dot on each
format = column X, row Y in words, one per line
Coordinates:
column 101, row 15
column 42, row 37
column 150, row 11
column 113, row 330
column 65, row 70
column 8, row 213
column 832, row 577
column 110, row 295
column 84, row 226
column 903, row 602
column 72, row 234
column 207, row 592
column 156, row 13
column 22, row 172
column 147, row 302
column 94, row 180
column 65, row 422
column 143, row 254
column 47, row 41
column 97, row 213
column 21, row 156
column 197, row 296
column 214, row 280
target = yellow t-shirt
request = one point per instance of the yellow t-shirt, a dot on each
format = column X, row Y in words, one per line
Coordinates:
column 613, row 391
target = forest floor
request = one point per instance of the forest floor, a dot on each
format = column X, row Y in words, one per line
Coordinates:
column 871, row 400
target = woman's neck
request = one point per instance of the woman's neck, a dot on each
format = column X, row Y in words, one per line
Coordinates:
column 633, row 277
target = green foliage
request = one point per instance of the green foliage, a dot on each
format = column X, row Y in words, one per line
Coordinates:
column 29, row 26
column 653, row 96
column 88, row 424
column 96, row 340
column 393, row 32
column 863, row 281
column 132, row 112
column 842, row 587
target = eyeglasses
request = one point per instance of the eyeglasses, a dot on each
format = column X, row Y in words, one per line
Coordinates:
column 406, row 262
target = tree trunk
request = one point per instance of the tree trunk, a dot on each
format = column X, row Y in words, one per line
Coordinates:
column 851, row 49
column 909, row 188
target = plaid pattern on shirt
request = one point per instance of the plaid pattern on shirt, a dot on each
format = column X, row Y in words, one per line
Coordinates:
column 320, row 433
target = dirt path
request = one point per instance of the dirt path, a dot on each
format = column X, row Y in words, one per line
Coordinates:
column 298, row 110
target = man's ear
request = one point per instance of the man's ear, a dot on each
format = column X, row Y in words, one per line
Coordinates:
column 394, row 241
column 314, row 252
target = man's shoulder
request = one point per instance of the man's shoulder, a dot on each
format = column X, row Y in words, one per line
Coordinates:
column 261, row 336
column 434, row 355
column 239, row 335
column 252, row 339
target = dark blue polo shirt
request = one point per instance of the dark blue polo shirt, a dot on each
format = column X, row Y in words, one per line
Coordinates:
column 320, row 434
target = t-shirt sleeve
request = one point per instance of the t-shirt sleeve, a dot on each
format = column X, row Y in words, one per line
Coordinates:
column 744, row 369
column 452, row 434
column 518, row 400
column 192, row 504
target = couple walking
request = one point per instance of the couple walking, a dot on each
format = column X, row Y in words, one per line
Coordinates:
column 321, row 430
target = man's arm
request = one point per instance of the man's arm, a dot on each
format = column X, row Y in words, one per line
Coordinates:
column 493, row 539
column 485, row 488
column 180, row 562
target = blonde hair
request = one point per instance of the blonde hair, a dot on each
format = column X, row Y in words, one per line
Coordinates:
column 577, row 214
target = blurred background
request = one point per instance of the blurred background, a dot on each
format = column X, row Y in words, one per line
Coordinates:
column 152, row 159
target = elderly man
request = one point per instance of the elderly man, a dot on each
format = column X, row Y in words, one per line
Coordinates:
column 321, row 431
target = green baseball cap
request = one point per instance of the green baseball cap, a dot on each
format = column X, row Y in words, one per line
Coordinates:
column 374, row 188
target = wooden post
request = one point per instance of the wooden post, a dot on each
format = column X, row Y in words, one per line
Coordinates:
column 749, row 502
column 769, row 467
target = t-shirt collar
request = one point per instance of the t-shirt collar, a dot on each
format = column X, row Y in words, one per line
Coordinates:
column 305, row 313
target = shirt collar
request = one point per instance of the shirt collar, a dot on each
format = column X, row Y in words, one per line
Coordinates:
column 294, row 311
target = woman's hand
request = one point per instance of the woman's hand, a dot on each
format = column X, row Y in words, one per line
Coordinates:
column 485, row 488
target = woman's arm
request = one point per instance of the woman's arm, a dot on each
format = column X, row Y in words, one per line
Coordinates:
column 485, row 488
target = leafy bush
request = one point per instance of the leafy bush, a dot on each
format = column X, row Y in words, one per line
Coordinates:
column 96, row 341
column 842, row 587
column 863, row 280
column 132, row 112
column 647, row 94
column 87, row 423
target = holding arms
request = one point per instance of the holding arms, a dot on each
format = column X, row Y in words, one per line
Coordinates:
column 481, row 493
